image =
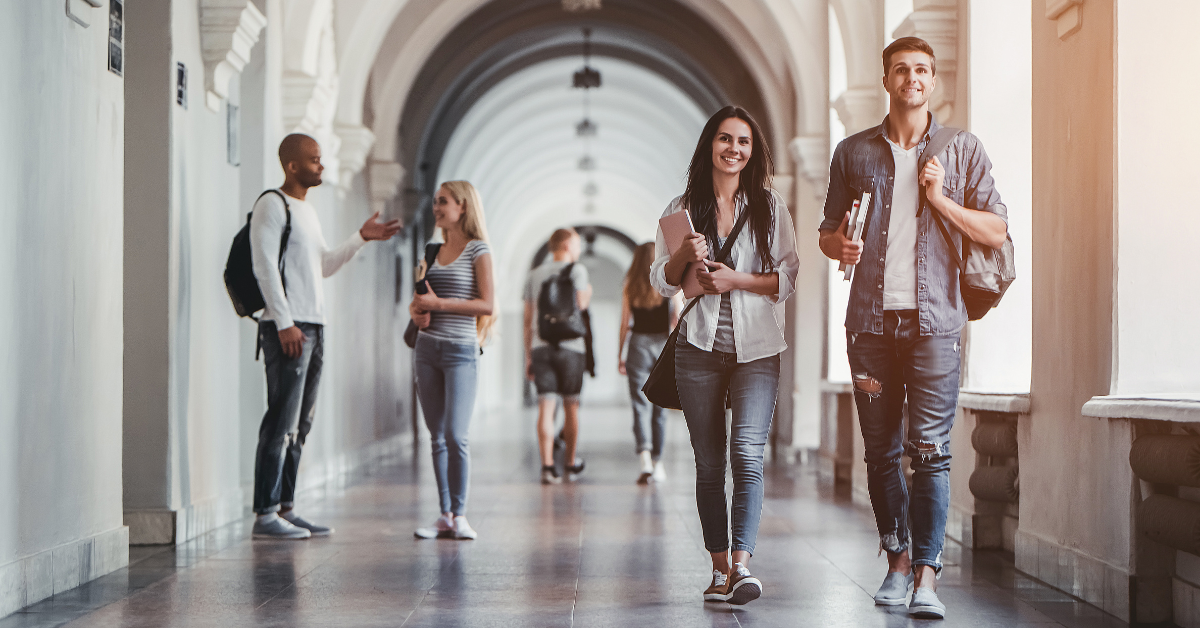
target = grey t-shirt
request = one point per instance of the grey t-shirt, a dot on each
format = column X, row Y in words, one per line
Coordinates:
column 533, row 287
column 723, row 339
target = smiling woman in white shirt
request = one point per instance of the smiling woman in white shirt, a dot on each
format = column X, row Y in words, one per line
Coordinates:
column 729, row 344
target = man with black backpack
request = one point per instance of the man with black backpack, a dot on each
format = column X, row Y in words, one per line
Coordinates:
column 931, row 195
column 557, row 294
column 290, row 258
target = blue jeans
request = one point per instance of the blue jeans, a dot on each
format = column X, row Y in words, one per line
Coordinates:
column 446, row 374
column 703, row 379
column 291, row 402
column 644, row 349
column 887, row 368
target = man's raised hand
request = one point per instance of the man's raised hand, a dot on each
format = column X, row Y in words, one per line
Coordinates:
column 372, row 229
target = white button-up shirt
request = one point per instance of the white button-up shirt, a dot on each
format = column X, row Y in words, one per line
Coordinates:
column 758, row 320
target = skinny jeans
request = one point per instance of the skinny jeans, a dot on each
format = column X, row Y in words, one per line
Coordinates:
column 446, row 379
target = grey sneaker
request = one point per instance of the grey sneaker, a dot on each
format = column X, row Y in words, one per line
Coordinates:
column 550, row 476
column 300, row 522
column 926, row 605
column 894, row 590
column 278, row 528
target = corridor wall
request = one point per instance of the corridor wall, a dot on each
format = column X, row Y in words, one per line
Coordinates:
column 62, row 127
column 194, row 408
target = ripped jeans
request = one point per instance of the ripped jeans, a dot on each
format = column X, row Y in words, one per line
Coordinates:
column 887, row 368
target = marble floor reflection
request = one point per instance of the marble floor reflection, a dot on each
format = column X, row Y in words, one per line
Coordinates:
column 600, row 552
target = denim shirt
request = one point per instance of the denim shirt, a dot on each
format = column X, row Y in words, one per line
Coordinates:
column 863, row 163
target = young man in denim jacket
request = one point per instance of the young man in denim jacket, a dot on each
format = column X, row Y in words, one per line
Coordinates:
column 906, row 312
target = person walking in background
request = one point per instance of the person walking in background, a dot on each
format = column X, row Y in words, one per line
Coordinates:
column 556, row 295
column 906, row 310
column 455, row 317
column 729, row 344
column 291, row 330
column 646, row 318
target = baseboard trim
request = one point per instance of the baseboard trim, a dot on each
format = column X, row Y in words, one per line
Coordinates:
column 168, row 527
column 1085, row 577
column 34, row 578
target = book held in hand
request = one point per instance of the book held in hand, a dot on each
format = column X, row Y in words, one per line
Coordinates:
column 676, row 228
column 854, row 229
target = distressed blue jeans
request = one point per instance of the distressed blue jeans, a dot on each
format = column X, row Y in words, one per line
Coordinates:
column 446, row 376
column 703, row 378
column 291, row 405
column 888, row 368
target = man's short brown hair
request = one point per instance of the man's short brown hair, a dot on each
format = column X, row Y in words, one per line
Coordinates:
column 905, row 44
column 560, row 237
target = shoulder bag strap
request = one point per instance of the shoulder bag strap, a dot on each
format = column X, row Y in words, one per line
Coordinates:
column 936, row 145
column 722, row 255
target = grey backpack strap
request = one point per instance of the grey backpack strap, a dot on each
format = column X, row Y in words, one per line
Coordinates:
column 936, row 145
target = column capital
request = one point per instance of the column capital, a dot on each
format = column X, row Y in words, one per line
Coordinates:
column 228, row 31
column 383, row 183
column 811, row 154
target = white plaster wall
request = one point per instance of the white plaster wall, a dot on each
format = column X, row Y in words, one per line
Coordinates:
column 1000, row 113
column 61, row 139
column 1156, row 335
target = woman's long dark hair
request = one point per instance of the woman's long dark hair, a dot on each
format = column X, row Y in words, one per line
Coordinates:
column 754, row 185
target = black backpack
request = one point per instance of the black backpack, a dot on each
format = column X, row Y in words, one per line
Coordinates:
column 559, row 317
column 240, row 281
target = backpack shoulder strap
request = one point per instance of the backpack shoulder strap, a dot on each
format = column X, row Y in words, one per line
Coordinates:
column 287, row 232
column 934, row 147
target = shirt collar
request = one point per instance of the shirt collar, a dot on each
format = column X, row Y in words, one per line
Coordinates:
column 881, row 130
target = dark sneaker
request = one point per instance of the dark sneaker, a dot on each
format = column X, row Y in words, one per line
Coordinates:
column 743, row 587
column 716, row 591
column 550, row 475
column 575, row 470
column 313, row 529
column 442, row 529
column 926, row 605
column 278, row 528
column 894, row 590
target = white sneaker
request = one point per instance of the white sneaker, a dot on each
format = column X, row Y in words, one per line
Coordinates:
column 463, row 530
column 660, row 472
column 647, row 467
column 443, row 528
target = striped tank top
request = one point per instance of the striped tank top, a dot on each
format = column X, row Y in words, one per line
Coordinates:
column 455, row 280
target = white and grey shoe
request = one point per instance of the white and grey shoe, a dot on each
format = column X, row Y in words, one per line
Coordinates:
column 550, row 475
column 443, row 528
column 894, row 590
column 300, row 522
column 463, row 530
column 660, row 472
column 277, row 528
column 926, row 605
column 647, row 465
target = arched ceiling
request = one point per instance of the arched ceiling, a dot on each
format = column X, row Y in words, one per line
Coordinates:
column 518, row 145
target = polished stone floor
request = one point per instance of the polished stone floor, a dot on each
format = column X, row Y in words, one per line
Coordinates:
column 602, row 552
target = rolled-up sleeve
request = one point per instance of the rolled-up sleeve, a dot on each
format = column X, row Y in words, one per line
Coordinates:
column 783, row 250
column 658, row 269
column 981, row 190
column 839, row 197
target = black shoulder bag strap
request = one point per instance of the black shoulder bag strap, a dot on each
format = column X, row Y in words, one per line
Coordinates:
column 287, row 234
column 936, row 145
column 722, row 255
column 431, row 253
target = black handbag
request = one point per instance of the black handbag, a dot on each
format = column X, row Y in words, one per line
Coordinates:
column 984, row 273
column 660, row 387
column 410, row 332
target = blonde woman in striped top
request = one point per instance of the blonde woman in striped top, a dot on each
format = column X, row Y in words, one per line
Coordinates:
column 455, row 317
